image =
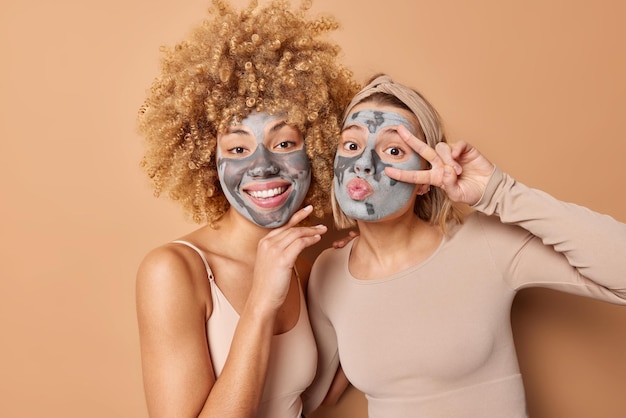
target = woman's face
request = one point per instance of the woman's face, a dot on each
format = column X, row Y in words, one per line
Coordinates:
column 263, row 168
column 369, row 143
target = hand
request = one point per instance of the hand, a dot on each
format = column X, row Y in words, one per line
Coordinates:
column 340, row 243
column 276, row 256
column 459, row 169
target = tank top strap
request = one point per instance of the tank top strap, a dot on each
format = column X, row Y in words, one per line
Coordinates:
column 295, row 272
column 201, row 254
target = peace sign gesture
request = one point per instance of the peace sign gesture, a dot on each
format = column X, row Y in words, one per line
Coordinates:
column 459, row 169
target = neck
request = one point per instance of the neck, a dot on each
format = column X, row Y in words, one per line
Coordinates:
column 245, row 234
column 385, row 237
column 387, row 247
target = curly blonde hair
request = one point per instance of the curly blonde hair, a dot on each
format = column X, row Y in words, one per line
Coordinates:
column 266, row 59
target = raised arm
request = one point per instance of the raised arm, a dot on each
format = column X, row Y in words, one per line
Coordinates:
column 593, row 243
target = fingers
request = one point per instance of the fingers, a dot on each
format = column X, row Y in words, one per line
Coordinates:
column 458, row 148
column 295, row 219
column 282, row 250
column 340, row 243
column 422, row 148
column 444, row 170
column 445, row 152
column 289, row 240
column 299, row 216
column 408, row 176
column 296, row 237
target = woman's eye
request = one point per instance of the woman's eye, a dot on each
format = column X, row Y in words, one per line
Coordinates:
column 237, row 150
column 395, row 152
column 286, row 145
column 350, row 146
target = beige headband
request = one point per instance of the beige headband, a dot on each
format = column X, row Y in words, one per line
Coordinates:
column 426, row 115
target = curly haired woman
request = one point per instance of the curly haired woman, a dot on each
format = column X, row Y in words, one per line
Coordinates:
column 241, row 127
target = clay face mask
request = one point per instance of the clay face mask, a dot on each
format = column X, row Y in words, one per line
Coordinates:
column 369, row 143
column 263, row 169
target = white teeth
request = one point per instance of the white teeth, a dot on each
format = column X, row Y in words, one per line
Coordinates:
column 265, row 194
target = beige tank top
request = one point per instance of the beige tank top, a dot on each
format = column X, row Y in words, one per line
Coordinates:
column 293, row 358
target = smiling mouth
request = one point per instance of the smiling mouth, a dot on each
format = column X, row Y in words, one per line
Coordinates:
column 268, row 193
column 268, row 196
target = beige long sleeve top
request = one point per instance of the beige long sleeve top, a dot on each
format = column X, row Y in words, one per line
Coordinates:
column 436, row 340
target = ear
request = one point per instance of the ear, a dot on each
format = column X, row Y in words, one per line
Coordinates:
column 422, row 189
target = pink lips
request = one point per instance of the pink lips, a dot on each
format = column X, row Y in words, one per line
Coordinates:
column 268, row 195
column 358, row 189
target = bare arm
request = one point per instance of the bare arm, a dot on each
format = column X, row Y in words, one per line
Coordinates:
column 177, row 370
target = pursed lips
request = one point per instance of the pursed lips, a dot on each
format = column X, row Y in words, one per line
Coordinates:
column 359, row 189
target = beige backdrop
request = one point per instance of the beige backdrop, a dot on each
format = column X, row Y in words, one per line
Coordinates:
column 537, row 85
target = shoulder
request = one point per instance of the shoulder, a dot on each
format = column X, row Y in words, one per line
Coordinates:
column 329, row 265
column 171, row 274
column 477, row 221
column 333, row 255
column 168, row 262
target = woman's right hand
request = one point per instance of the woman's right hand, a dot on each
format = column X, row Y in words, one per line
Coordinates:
column 276, row 257
column 459, row 169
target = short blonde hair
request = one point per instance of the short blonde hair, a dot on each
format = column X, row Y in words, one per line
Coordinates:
column 434, row 206
column 267, row 59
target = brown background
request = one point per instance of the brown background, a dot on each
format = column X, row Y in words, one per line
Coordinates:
column 537, row 85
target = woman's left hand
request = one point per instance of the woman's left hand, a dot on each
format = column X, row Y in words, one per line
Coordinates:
column 459, row 169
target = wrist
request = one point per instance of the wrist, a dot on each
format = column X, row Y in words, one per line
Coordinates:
column 260, row 306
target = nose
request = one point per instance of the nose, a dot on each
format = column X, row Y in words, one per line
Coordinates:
column 263, row 165
column 365, row 164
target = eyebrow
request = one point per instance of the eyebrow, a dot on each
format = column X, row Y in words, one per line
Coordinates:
column 353, row 126
column 278, row 126
column 236, row 130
